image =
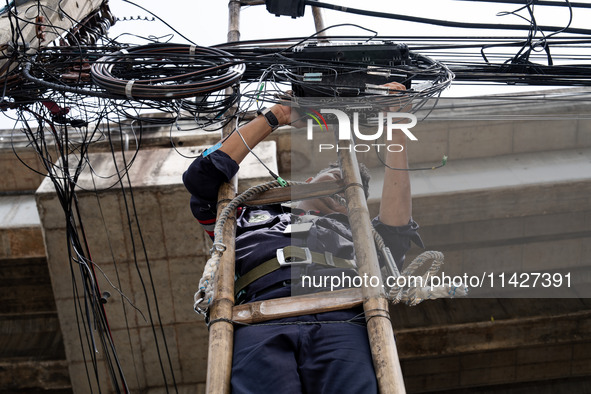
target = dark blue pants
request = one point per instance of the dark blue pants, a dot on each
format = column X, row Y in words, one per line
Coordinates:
column 304, row 358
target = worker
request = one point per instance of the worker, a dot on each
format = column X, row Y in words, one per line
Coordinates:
column 321, row 353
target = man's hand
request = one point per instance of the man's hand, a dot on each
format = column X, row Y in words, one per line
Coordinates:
column 283, row 113
column 394, row 87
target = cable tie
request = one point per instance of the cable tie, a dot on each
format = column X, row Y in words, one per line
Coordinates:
column 219, row 320
column 282, row 182
column 223, row 201
column 124, row 51
column 279, row 180
column 212, row 149
column 128, row 87
column 219, row 247
column 192, row 50
column 354, row 184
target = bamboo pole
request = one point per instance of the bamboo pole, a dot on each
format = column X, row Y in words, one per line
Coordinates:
column 297, row 192
column 375, row 304
column 261, row 311
column 234, row 21
column 221, row 330
column 318, row 21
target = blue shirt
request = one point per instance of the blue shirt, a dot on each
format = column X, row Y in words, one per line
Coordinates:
column 261, row 230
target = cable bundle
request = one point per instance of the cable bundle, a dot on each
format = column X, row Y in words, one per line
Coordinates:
column 166, row 71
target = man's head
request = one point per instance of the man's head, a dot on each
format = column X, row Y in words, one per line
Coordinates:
column 333, row 204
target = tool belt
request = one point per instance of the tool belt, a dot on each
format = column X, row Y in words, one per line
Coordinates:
column 288, row 256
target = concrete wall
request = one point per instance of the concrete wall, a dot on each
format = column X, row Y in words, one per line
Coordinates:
column 514, row 192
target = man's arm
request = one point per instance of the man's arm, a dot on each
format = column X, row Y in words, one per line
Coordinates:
column 396, row 203
column 253, row 133
column 205, row 175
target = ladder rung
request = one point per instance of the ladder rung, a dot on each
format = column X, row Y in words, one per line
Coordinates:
column 298, row 192
column 260, row 311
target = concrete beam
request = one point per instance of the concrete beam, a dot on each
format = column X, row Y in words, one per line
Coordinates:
column 59, row 16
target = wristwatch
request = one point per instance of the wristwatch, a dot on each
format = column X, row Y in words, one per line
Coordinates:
column 269, row 117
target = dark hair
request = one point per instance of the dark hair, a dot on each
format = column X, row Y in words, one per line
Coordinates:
column 363, row 172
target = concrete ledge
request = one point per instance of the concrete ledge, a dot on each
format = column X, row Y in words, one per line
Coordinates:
column 16, row 176
column 34, row 376
column 498, row 187
column 510, row 171
column 31, row 336
column 466, row 344
column 20, row 228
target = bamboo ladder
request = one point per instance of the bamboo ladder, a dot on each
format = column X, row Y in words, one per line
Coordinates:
column 223, row 311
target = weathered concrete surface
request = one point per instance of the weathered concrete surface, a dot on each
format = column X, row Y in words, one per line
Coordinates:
column 32, row 356
column 495, row 345
column 20, row 233
column 515, row 191
column 34, row 376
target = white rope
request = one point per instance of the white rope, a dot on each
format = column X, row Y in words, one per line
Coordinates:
column 413, row 295
column 204, row 296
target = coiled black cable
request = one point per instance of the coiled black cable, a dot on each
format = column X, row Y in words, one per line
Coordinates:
column 166, row 71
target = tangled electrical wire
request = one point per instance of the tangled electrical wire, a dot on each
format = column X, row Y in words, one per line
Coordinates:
column 84, row 88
